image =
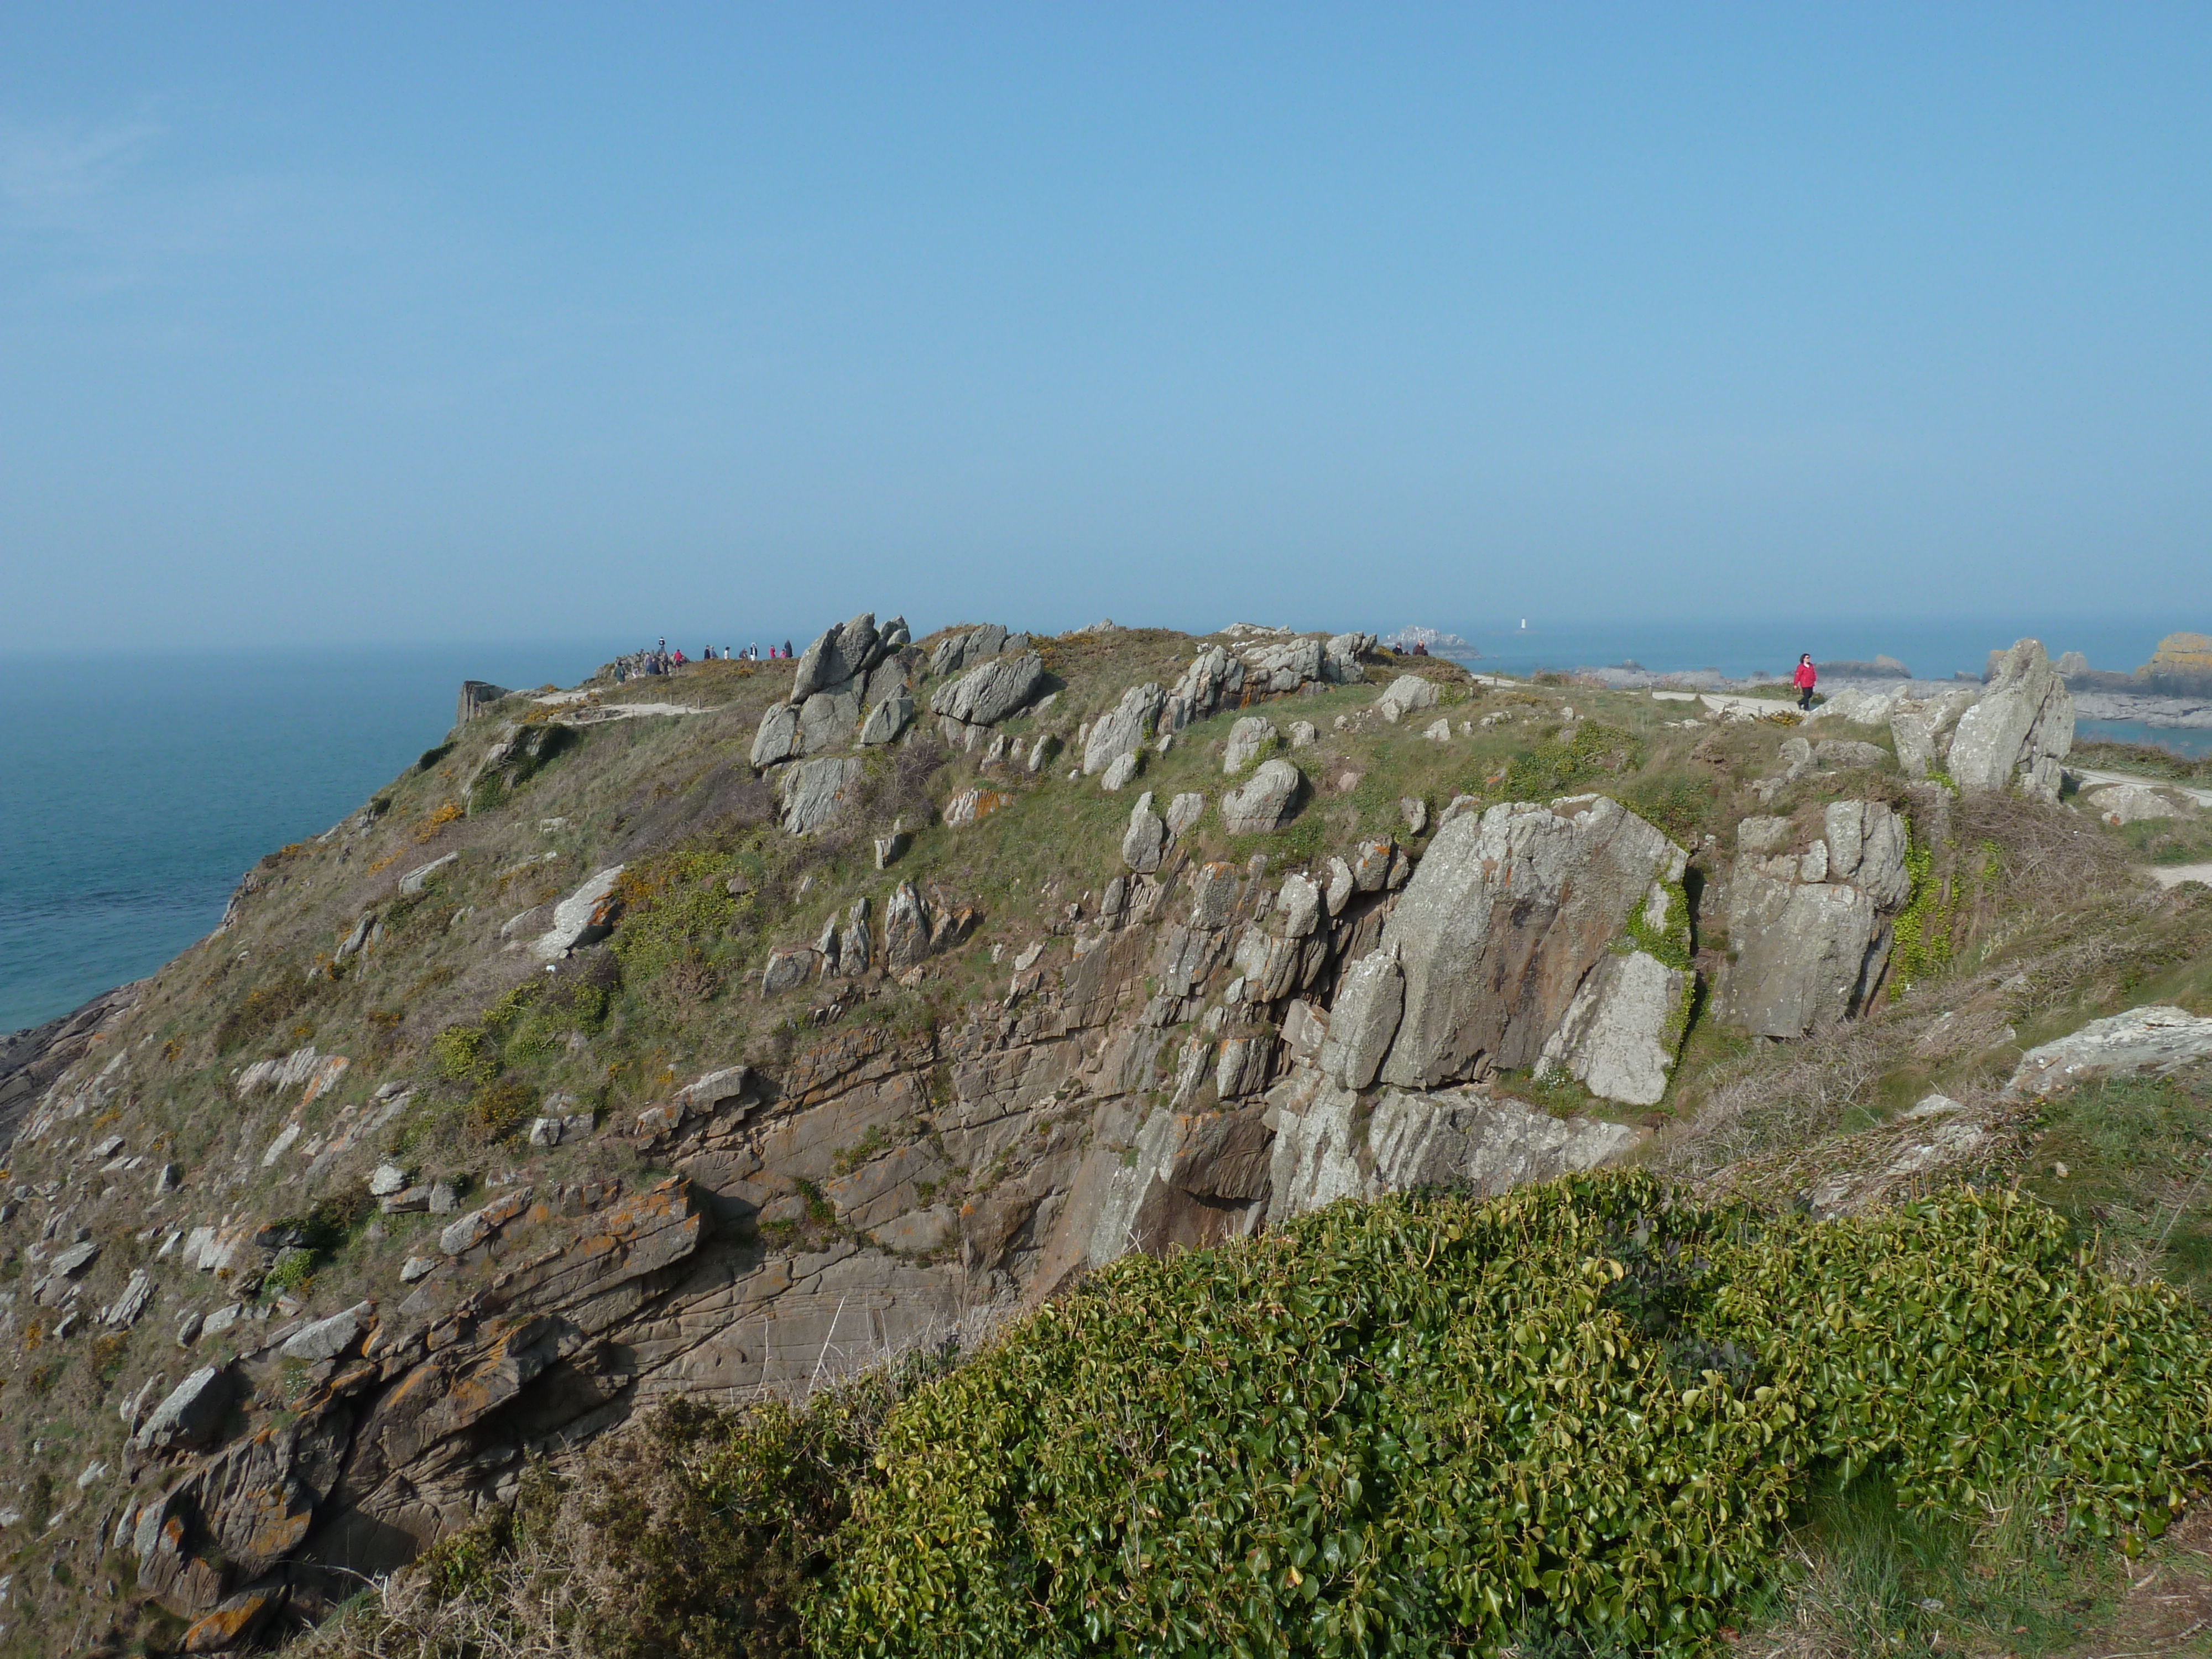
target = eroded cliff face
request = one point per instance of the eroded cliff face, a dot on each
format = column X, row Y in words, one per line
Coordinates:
column 903, row 1122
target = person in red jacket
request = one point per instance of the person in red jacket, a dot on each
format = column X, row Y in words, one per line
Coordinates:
column 1804, row 678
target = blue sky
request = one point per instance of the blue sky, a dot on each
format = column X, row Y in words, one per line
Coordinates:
column 417, row 322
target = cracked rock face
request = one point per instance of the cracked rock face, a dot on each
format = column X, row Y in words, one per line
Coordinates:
column 1123, row 730
column 1621, row 1034
column 987, row 695
column 585, row 917
column 1810, row 932
column 813, row 792
column 1325, row 1151
column 2020, row 730
column 1506, row 917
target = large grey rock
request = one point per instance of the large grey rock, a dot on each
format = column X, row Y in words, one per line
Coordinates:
column 1184, row 811
column 1370, row 863
column 585, row 917
column 814, row 792
column 859, row 947
column 1922, row 729
column 1506, row 917
column 1119, row 772
column 1340, row 885
column 1805, row 953
column 1340, row 657
column 1623, row 1032
column 2020, row 730
column 787, row 970
column 887, row 679
column 828, row 719
column 189, row 1415
column 125, row 1311
column 2142, row 1042
column 905, row 928
column 1405, row 695
column 2131, row 803
column 72, row 1262
column 1241, row 1068
column 888, row 719
column 987, row 695
column 837, row 657
column 326, row 1338
column 1866, row 847
column 476, row 696
column 1489, row 1145
column 1283, row 666
column 1266, row 800
column 1298, row 906
column 1843, row 752
column 1147, row 836
column 1861, row 706
column 1213, row 674
column 1762, row 835
column 419, row 878
column 964, row 650
column 1370, row 1003
column 1325, row 1149
column 1122, row 729
column 1252, row 737
column 777, row 740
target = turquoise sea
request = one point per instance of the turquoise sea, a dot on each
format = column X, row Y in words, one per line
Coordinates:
column 135, row 790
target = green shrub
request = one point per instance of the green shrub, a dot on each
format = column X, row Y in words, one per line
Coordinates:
column 465, row 1054
column 714, row 1562
column 257, row 1015
column 501, row 1108
column 677, row 909
column 293, row 1269
column 327, row 1228
column 1431, row 1423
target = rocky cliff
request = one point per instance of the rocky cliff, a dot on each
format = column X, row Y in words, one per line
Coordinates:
column 713, row 1034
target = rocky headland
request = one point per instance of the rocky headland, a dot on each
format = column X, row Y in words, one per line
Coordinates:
column 706, row 1038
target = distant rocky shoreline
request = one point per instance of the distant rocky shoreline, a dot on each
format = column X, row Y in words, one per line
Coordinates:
column 2150, row 707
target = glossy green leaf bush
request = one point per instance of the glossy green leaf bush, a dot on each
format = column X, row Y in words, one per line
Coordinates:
column 1427, row 1425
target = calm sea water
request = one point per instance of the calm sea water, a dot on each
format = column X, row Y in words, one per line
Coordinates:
column 135, row 790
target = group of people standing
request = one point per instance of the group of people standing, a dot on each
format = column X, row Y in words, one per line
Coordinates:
column 661, row 661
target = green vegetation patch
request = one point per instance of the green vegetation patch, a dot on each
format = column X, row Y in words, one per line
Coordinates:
column 2179, row 839
column 1431, row 1423
column 1556, row 768
column 2137, row 1153
column 1683, row 803
column 677, row 910
column 2143, row 759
